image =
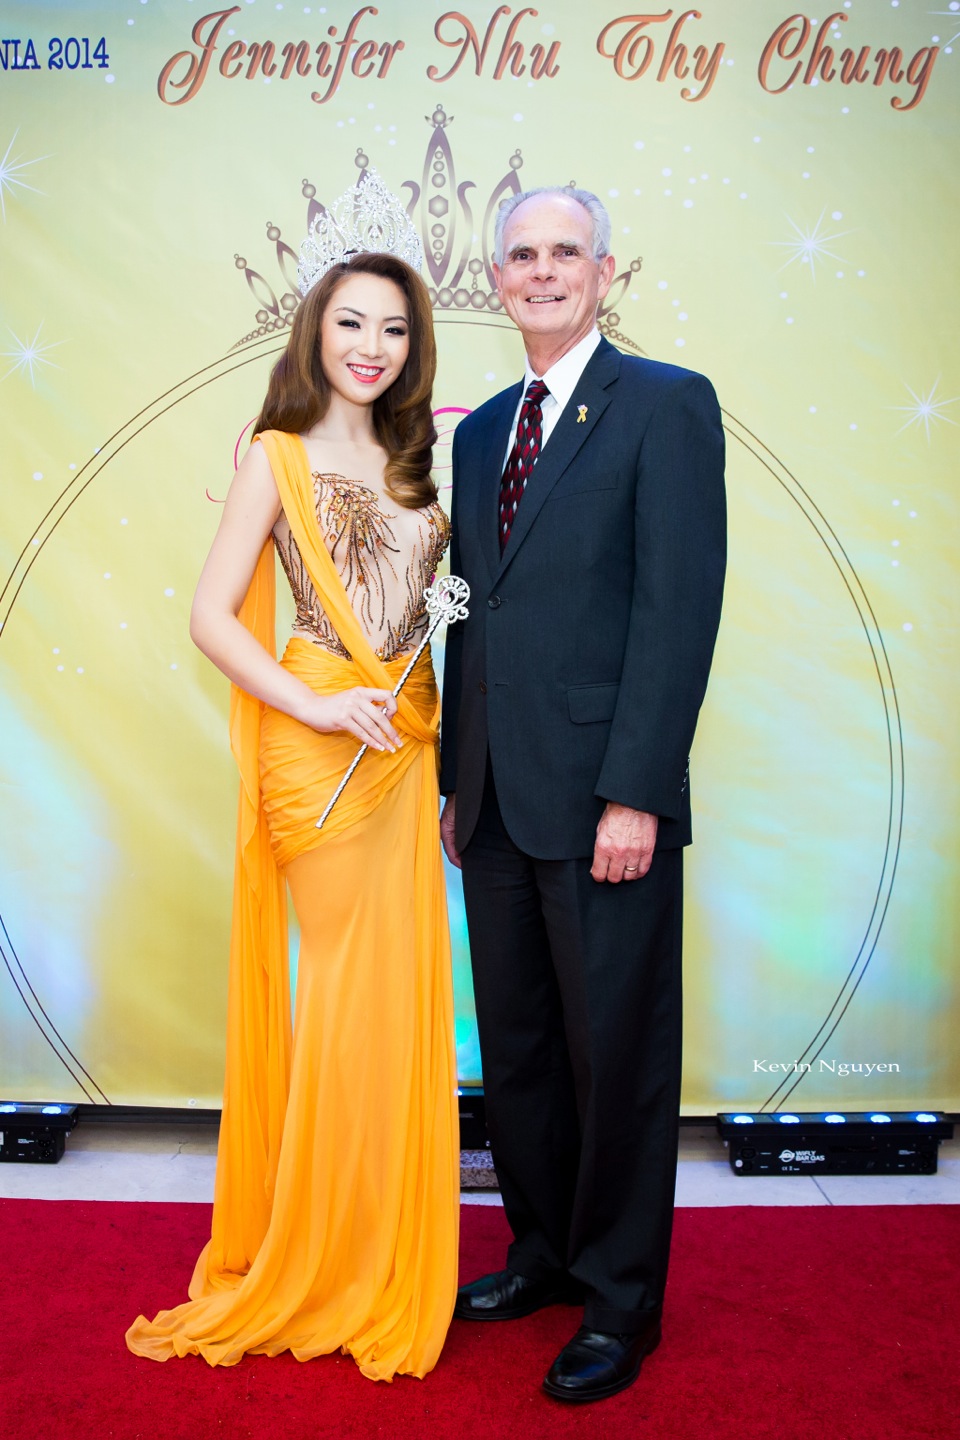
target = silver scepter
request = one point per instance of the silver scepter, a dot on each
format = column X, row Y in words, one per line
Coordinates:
column 446, row 601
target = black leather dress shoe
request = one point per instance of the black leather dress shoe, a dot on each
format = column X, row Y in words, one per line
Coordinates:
column 595, row 1364
column 506, row 1295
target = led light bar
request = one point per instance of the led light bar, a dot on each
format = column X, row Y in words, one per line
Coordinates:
column 34, row 1132
column 825, row 1142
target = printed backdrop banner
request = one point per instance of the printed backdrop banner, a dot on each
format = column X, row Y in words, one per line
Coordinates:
column 783, row 193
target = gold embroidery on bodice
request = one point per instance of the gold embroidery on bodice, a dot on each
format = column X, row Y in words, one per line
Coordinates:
column 385, row 562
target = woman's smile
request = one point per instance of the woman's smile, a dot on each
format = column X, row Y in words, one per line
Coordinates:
column 367, row 373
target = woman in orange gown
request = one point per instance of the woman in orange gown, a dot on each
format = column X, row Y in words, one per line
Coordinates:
column 336, row 1203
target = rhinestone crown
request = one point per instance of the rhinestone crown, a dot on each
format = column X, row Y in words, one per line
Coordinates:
column 366, row 217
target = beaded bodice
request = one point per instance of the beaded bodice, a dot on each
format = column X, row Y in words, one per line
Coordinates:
column 386, row 560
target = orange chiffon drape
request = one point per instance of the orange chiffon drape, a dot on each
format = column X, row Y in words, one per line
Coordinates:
column 336, row 1205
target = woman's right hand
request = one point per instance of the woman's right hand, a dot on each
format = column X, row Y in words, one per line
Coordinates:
column 361, row 712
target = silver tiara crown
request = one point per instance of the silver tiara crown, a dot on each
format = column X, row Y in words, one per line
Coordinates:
column 367, row 217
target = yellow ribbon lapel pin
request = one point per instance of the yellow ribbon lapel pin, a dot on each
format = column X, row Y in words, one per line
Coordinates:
column 582, row 414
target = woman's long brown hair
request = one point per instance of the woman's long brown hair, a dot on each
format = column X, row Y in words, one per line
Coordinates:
column 299, row 393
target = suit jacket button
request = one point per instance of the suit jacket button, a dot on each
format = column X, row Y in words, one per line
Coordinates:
column 483, row 687
column 494, row 602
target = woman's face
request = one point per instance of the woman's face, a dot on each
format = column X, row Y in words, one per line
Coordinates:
column 364, row 337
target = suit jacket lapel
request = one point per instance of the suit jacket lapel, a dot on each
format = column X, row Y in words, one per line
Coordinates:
column 569, row 434
column 497, row 435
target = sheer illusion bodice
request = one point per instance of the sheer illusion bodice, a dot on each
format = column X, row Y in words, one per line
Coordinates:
column 386, row 556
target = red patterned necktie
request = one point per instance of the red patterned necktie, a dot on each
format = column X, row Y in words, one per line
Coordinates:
column 522, row 458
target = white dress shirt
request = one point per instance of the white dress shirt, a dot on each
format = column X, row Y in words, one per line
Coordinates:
column 561, row 380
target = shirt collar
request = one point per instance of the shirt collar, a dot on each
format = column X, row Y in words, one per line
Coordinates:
column 563, row 376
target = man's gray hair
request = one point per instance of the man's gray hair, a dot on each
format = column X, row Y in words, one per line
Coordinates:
column 594, row 207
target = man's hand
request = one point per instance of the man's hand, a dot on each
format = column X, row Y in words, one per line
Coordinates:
column 447, row 820
column 625, row 841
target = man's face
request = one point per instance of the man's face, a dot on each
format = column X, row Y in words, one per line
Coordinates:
column 549, row 282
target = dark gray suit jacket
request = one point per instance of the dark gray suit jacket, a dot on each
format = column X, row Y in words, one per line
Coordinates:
column 584, row 661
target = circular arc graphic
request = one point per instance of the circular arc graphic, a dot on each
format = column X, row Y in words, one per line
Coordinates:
column 252, row 353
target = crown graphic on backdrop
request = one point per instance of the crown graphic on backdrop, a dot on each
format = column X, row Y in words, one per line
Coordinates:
column 458, row 251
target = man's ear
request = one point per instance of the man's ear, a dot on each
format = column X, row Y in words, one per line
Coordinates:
column 607, row 269
column 497, row 277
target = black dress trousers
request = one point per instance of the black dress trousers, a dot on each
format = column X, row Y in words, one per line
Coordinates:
column 578, row 994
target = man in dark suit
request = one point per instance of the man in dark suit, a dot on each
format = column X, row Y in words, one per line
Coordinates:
column 589, row 520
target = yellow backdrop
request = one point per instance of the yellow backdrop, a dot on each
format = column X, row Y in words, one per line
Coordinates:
column 782, row 190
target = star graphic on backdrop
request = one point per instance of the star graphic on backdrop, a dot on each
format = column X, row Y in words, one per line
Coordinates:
column 809, row 246
column 10, row 174
column 952, row 14
column 29, row 354
column 926, row 408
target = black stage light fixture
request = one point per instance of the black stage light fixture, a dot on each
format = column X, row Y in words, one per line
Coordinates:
column 34, row 1132
column 834, row 1142
column 473, row 1118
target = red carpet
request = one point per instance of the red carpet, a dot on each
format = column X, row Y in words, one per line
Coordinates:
column 822, row 1323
